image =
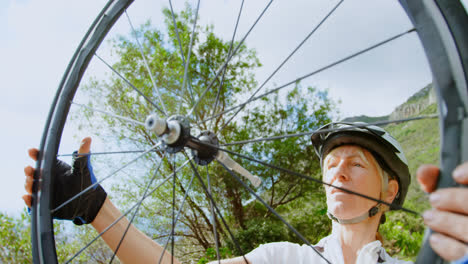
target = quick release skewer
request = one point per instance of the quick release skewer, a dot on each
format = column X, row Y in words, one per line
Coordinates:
column 174, row 131
column 157, row 125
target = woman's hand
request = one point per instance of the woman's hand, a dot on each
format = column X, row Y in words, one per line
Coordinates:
column 70, row 181
column 449, row 216
column 97, row 209
column 29, row 170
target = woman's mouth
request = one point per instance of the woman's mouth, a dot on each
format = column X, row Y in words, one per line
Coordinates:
column 336, row 190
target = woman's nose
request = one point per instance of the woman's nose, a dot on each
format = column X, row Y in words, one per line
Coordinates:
column 341, row 172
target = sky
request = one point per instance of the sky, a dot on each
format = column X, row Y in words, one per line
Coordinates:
column 40, row 36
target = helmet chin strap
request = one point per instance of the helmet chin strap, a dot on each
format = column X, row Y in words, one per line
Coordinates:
column 373, row 211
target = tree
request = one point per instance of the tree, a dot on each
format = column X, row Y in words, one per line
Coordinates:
column 15, row 239
column 297, row 110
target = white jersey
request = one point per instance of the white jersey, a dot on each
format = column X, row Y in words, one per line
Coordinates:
column 329, row 247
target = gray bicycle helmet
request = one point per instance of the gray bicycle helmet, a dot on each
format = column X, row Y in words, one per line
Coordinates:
column 386, row 150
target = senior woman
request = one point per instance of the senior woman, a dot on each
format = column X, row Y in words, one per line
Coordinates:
column 363, row 159
column 354, row 156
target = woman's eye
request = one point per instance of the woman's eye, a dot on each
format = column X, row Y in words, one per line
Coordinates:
column 358, row 165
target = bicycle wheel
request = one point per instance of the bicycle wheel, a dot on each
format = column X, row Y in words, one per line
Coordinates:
column 439, row 26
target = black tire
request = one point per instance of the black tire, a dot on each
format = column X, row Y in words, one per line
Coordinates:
column 441, row 26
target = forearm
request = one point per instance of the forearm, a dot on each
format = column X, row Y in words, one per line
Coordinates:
column 136, row 246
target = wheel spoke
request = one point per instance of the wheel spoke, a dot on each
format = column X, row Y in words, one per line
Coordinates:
column 311, row 74
column 177, row 32
column 229, row 54
column 103, row 179
column 213, row 215
column 187, row 62
column 233, row 238
column 130, row 84
column 285, row 60
column 146, row 64
column 110, row 114
column 379, row 123
column 173, row 209
column 166, row 179
column 228, row 59
column 180, row 47
column 178, row 215
column 104, row 153
column 391, row 205
column 274, row 212
column 137, row 208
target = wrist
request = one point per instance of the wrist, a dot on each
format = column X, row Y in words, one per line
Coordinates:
column 104, row 217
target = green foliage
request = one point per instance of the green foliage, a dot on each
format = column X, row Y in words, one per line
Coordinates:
column 15, row 239
column 258, row 231
column 401, row 238
column 69, row 239
column 308, row 215
column 211, row 254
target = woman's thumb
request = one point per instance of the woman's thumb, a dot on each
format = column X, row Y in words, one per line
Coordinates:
column 85, row 145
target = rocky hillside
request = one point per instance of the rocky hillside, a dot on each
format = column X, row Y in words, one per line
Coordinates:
column 415, row 105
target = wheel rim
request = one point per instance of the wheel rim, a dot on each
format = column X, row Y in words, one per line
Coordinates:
column 451, row 84
column 446, row 81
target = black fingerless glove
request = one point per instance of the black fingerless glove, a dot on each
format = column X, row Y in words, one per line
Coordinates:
column 70, row 181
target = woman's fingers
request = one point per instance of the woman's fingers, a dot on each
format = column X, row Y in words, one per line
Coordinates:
column 450, row 199
column 448, row 223
column 33, row 153
column 460, row 174
column 427, row 175
column 449, row 216
column 29, row 173
column 28, row 183
column 27, row 200
column 448, row 248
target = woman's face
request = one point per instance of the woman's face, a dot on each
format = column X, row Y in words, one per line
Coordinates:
column 354, row 168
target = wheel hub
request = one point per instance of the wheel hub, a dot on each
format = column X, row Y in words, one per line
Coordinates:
column 204, row 154
column 174, row 133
